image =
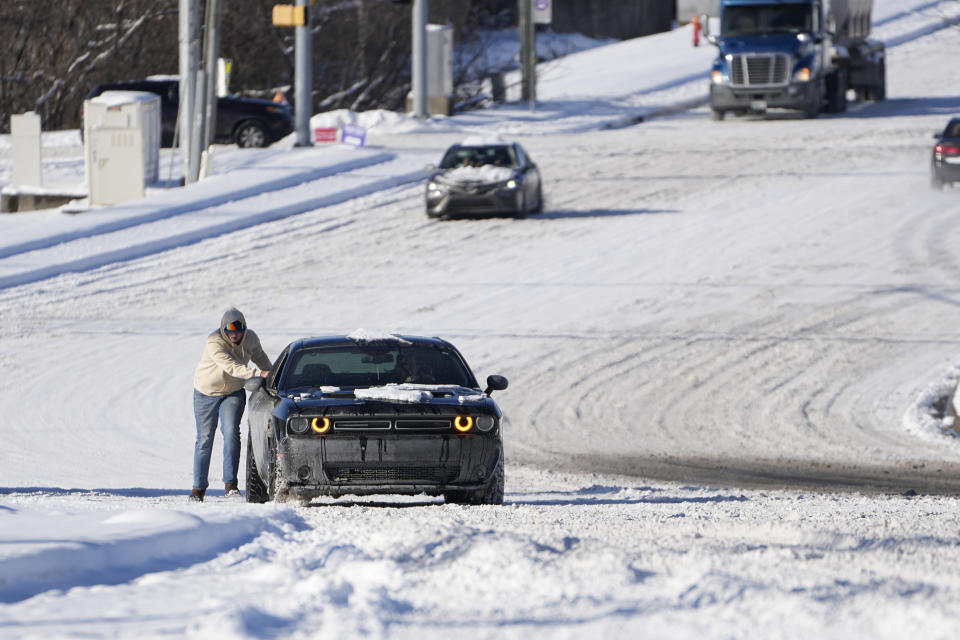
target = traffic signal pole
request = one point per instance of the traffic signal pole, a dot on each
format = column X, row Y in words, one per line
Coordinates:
column 303, row 103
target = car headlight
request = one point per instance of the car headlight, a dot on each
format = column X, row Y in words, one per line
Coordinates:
column 320, row 425
column 436, row 187
column 510, row 184
column 298, row 426
column 485, row 423
column 463, row 424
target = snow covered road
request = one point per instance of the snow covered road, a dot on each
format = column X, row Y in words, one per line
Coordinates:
column 718, row 336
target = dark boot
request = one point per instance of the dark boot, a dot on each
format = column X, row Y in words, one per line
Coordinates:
column 230, row 490
column 196, row 495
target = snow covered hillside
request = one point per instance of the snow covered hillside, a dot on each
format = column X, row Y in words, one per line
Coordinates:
column 724, row 343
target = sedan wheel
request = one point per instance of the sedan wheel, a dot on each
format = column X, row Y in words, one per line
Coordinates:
column 251, row 135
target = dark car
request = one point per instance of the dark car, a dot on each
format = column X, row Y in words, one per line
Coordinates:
column 945, row 163
column 244, row 121
column 352, row 415
column 478, row 178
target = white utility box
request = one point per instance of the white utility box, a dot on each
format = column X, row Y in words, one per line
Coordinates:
column 121, row 133
column 27, row 164
column 440, row 69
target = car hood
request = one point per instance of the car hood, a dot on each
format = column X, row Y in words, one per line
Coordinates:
column 254, row 101
column 487, row 174
column 394, row 394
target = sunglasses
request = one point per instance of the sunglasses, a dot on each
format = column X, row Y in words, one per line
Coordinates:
column 234, row 327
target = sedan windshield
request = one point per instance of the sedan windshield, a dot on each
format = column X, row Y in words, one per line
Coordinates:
column 766, row 19
column 462, row 156
column 374, row 365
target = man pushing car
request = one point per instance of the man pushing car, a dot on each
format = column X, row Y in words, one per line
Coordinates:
column 218, row 393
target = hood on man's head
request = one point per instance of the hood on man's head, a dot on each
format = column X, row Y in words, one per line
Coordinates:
column 231, row 315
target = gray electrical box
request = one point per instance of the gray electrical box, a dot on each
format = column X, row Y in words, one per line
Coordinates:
column 121, row 132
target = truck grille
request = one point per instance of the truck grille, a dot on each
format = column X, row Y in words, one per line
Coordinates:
column 759, row 70
column 357, row 474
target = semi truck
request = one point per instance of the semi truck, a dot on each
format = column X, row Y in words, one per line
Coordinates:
column 804, row 55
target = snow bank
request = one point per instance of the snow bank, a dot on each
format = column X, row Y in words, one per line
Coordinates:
column 42, row 549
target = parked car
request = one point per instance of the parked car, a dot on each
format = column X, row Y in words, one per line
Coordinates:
column 945, row 162
column 244, row 121
column 478, row 177
column 344, row 415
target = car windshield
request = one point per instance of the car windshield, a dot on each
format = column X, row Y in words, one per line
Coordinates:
column 766, row 19
column 469, row 156
column 373, row 365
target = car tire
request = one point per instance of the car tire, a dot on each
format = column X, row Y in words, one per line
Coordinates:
column 538, row 208
column 250, row 134
column 493, row 494
column 256, row 489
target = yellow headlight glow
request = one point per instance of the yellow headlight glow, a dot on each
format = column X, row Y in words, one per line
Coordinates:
column 463, row 423
column 320, row 425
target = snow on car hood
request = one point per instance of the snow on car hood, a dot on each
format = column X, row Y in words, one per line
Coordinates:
column 488, row 173
column 415, row 393
column 403, row 393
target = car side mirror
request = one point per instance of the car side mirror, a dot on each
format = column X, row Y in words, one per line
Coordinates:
column 254, row 383
column 495, row 383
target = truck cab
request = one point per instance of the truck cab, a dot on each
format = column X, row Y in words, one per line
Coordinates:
column 794, row 54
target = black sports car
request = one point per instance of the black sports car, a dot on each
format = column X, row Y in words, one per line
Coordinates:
column 373, row 415
column 945, row 163
column 484, row 178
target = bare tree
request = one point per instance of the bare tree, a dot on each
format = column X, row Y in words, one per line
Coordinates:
column 56, row 51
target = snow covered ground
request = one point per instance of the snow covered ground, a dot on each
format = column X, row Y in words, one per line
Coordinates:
column 725, row 342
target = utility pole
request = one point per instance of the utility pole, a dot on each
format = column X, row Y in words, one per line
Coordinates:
column 303, row 101
column 211, row 53
column 528, row 67
column 419, row 69
column 189, row 41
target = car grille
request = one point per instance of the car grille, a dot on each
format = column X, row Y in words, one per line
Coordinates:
column 759, row 70
column 361, row 425
column 474, row 188
column 425, row 423
column 353, row 474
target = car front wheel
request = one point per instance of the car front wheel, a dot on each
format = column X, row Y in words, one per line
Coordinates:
column 256, row 489
column 250, row 134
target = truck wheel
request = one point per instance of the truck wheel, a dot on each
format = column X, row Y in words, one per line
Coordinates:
column 837, row 91
column 880, row 91
column 716, row 115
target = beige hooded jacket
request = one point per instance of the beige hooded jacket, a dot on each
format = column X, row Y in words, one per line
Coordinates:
column 223, row 366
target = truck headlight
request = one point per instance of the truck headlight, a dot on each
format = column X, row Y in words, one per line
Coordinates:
column 802, row 75
column 716, row 77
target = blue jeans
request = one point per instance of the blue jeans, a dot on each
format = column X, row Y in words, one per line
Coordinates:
column 207, row 409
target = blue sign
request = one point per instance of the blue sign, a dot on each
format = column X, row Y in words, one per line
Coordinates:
column 353, row 134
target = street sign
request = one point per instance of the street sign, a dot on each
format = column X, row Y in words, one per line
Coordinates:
column 542, row 11
column 353, row 134
column 325, row 134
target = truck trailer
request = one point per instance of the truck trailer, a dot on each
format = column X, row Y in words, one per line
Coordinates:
column 803, row 55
